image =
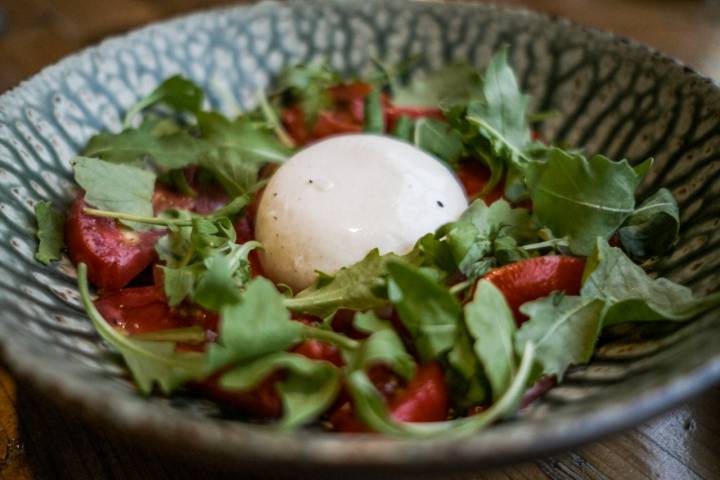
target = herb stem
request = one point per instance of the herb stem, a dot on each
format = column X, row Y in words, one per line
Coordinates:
column 167, row 222
column 459, row 287
column 329, row 336
column 272, row 119
column 552, row 243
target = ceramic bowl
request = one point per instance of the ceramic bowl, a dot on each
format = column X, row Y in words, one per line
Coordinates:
column 614, row 97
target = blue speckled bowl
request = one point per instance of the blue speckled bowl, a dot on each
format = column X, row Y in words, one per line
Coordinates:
column 615, row 97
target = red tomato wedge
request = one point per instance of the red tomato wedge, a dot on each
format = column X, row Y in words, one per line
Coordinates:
column 263, row 402
column 474, row 176
column 145, row 309
column 424, row 399
column 537, row 277
column 114, row 254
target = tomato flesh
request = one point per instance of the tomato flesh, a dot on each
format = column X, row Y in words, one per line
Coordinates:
column 114, row 255
column 424, row 399
column 145, row 309
column 537, row 277
column 474, row 176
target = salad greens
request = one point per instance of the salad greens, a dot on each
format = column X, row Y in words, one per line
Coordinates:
column 50, row 224
column 443, row 312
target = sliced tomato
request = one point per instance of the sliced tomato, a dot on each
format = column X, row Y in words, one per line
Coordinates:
column 145, row 309
column 113, row 254
column 293, row 119
column 537, row 277
column 474, row 176
column 393, row 113
column 263, row 402
column 333, row 123
column 424, row 399
column 317, row 350
column 348, row 92
column 165, row 199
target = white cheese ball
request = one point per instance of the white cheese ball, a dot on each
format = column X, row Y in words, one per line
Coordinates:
column 336, row 200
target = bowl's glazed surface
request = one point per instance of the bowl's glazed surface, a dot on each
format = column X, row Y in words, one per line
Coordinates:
column 614, row 97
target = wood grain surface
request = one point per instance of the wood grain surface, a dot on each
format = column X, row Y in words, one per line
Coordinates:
column 40, row 441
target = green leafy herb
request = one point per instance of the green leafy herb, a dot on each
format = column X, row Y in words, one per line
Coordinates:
column 631, row 295
column 150, row 362
column 500, row 215
column 580, row 198
column 176, row 92
column 564, row 329
column 374, row 117
column 168, row 151
column 426, row 308
column 257, row 325
column 116, row 187
column 450, row 85
column 492, row 325
column 50, row 224
column 464, row 373
column 239, row 149
column 501, row 116
column 404, row 127
column 251, row 140
column 308, row 388
column 439, row 139
column 358, row 287
column 384, row 347
column 370, row 406
column 224, row 274
column 308, row 85
column 653, row 227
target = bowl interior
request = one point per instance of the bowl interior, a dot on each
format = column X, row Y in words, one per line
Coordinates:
column 614, row 97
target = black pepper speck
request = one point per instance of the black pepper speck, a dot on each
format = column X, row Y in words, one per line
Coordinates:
column 440, row 204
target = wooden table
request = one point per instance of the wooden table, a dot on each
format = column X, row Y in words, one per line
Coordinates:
column 37, row 440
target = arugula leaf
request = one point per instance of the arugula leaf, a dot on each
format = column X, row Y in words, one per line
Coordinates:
column 427, row 309
column 50, row 224
column 464, row 374
column 308, row 388
column 501, row 116
column 150, row 362
column 134, row 146
column 370, row 406
column 492, row 325
column 564, row 329
column 239, row 149
column 439, row 139
column 251, row 140
column 374, row 121
column 631, row 295
column 176, row 92
column 653, row 227
column 358, row 287
column 404, row 127
column 257, row 325
column 308, row 84
column 384, row 347
column 116, row 187
column 580, row 198
column 453, row 84
column 369, row 322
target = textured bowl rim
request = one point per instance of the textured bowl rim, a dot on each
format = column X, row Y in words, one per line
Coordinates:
column 249, row 446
